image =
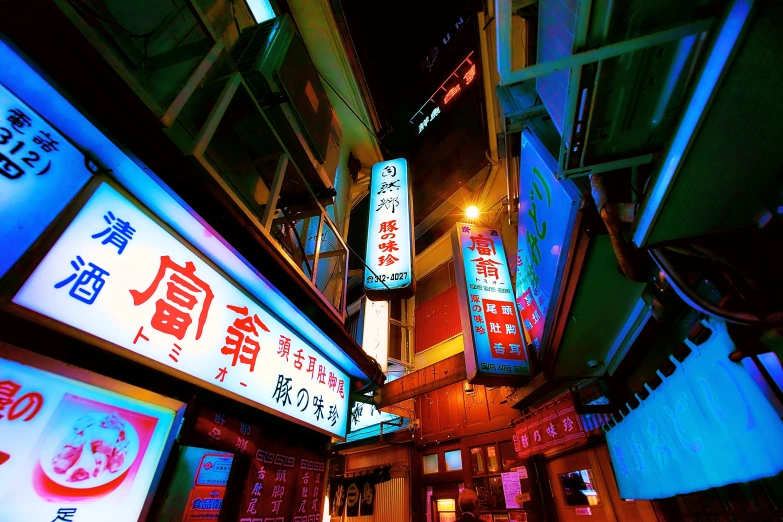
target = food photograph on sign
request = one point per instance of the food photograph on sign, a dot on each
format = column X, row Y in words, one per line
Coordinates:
column 494, row 342
column 69, row 447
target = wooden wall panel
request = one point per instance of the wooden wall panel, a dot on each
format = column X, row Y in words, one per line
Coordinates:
column 476, row 407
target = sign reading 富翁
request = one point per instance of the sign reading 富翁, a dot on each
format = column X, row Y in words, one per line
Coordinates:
column 118, row 275
column 494, row 344
column 389, row 258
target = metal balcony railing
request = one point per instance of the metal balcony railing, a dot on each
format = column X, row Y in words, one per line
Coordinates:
column 176, row 59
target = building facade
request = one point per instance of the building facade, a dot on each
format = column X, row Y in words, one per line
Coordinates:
column 650, row 331
column 177, row 182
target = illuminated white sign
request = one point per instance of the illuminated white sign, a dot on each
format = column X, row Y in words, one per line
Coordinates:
column 390, row 233
column 72, row 451
column 364, row 415
column 494, row 344
column 118, row 275
column 375, row 331
column 40, row 171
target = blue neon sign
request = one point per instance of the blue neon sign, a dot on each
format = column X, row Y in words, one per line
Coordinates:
column 547, row 209
column 40, row 172
column 707, row 425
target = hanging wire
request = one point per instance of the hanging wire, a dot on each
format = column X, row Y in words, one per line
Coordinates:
column 361, row 120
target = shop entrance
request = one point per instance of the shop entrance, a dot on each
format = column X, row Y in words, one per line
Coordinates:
column 444, row 503
column 584, row 489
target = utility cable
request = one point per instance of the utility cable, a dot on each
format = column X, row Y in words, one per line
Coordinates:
column 361, row 120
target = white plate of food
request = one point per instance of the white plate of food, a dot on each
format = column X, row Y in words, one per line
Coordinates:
column 92, row 451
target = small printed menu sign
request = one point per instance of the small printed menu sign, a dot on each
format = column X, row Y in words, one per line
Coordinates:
column 284, row 482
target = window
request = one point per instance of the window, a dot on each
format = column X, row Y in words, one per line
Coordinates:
column 261, row 9
column 477, row 460
column 436, row 282
column 508, row 456
column 487, row 463
column 579, row 488
column 453, row 460
column 400, row 331
column 493, row 463
column 447, row 505
column 431, row 463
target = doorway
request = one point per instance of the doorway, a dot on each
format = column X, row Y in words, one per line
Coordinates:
column 584, row 489
column 443, row 503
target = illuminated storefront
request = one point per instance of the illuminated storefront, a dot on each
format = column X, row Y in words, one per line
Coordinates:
column 107, row 276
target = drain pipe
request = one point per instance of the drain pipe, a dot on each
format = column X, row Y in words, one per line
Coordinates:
column 627, row 256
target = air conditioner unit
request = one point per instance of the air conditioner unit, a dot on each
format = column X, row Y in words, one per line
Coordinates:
column 276, row 65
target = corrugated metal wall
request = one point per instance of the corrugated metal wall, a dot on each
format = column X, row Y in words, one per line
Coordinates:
column 437, row 319
column 392, row 503
column 392, row 498
column 376, row 459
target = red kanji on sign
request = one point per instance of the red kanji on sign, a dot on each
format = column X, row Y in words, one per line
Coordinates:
column 389, row 246
column 28, row 404
column 298, row 358
column 484, row 245
column 239, row 337
column 284, row 347
column 486, row 267
column 387, row 260
column 183, row 286
column 389, row 226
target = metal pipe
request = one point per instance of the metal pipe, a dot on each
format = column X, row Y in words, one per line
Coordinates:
column 627, row 256
column 607, row 51
column 695, row 301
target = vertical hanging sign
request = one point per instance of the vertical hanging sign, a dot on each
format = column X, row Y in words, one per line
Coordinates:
column 389, row 260
column 494, row 345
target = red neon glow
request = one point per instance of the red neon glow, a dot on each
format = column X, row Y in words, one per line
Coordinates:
column 470, row 74
column 452, row 92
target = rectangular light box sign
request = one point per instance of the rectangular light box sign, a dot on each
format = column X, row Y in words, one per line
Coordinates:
column 495, row 351
column 375, row 331
column 118, row 275
column 547, row 210
column 364, row 415
column 390, row 248
column 73, row 451
column 40, row 172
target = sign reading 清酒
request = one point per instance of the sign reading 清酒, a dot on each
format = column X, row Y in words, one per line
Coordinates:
column 494, row 344
column 390, row 249
column 118, row 275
